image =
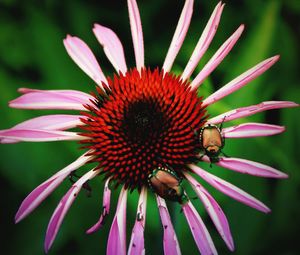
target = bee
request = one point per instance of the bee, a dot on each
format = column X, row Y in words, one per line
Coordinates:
column 212, row 141
column 166, row 183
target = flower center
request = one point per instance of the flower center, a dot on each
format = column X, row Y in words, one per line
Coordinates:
column 144, row 120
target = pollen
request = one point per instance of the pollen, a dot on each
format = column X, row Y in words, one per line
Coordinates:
column 140, row 121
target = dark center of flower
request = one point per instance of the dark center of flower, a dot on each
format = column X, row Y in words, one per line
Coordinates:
column 142, row 121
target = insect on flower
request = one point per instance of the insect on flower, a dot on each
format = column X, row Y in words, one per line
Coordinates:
column 166, row 183
column 212, row 142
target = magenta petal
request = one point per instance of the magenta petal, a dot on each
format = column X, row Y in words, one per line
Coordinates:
column 106, row 208
column 84, row 58
column 137, row 246
column 116, row 243
column 250, row 110
column 199, row 231
column 217, row 58
column 241, row 80
column 171, row 245
column 76, row 94
column 48, row 99
column 214, row 210
column 51, row 122
column 112, row 47
column 179, row 35
column 250, row 167
column 63, row 207
column 230, row 190
column 39, row 194
column 35, row 135
column 137, row 33
column 204, row 41
column 252, row 130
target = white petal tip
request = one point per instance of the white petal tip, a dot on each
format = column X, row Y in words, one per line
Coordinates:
column 282, row 176
column 230, row 245
column 17, row 219
column 241, row 28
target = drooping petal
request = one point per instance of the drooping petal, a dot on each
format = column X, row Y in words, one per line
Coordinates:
column 116, row 243
column 230, row 190
column 241, row 80
column 171, row 245
column 38, row 135
column 179, row 35
column 84, row 58
column 137, row 246
column 112, row 47
column 204, row 41
column 40, row 193
column 199, row 231
column 137, row 33
column 105, row 207
column 51, row 99
column 252, row 130
column 214, row 210
column 250, row 167
column 63, row 207
column 250, row 110
column 217, row 58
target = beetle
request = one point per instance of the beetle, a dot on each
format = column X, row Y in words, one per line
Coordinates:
column 212, row 141
column 166, row 183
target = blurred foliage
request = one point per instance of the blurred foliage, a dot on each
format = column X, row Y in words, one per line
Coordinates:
column 32, row 55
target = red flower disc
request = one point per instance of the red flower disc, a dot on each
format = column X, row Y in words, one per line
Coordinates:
column 145, row 119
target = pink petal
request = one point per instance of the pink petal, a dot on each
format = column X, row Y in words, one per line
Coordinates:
column 250, row 167
column 241, row 80
column 40, row 193
column 76, row 94
column 106, row 208
column 137, row 246
column 250, row 110
column 51, row 99
column 39, row 135
column 199, row 231
column 252, row 130
column 63, row 207
column 137, row 33
column 217, row 58
column 51, row 122
column 171, row 245
column 116, row 243
column 230, row 190
column 112, row 47
column 84, row 58
column 204, row 41
column 214, row 210
column 179, row 35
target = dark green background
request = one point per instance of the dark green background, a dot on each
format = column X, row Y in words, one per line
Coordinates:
column 32, row 55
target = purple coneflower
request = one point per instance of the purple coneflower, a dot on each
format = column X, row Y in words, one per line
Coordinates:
column 143, row 121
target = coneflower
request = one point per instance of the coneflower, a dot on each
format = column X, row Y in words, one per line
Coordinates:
column 147, row 129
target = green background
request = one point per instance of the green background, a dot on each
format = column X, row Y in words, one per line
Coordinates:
column 32, row 55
